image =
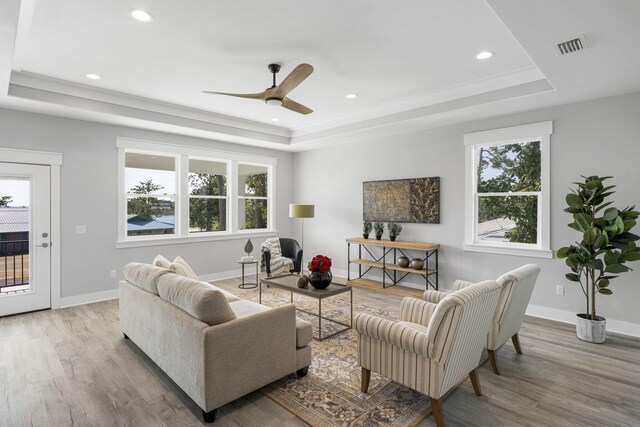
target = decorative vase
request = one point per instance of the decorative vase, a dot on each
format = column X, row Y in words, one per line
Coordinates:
column 417, row 264
column 366, row 236
column 248, row 247
column 378, row 236
column 403, row 261
column 320, row 280
column 392, row 238
column 594, row 331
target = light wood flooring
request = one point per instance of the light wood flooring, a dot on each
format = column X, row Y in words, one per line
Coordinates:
column 71, row 367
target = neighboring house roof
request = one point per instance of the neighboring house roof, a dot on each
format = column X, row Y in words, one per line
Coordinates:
column 496, row 229
column 14, row 219
column 137, row 223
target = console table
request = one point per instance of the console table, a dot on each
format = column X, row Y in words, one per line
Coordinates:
column 388, row 260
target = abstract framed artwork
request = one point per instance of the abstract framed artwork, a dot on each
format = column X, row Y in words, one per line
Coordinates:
column 415, row 200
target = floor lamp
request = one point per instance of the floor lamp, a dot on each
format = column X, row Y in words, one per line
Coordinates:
column 301, row 211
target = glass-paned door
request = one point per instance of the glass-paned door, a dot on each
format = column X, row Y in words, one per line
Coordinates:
column 25, row 245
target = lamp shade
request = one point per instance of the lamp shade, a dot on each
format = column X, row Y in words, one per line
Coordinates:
column 301, row 211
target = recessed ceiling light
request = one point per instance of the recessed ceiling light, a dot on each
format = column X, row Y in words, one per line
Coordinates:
column 485, row 54
column 351, row 96
column 141, row 15
column 93, row 76
column 275, row 119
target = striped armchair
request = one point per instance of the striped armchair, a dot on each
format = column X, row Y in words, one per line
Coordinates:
column 434, row 346
column 514, row 298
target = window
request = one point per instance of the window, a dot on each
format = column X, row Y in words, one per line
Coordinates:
column 207, row 196
column 173, row 193
column 252, row 197
column 507, row 197
column 150, row 187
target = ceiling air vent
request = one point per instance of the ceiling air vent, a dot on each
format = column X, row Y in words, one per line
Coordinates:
column 571, row 46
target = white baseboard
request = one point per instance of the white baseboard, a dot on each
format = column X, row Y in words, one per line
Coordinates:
column 88, row 298
column 616, row 326
column 249, row 272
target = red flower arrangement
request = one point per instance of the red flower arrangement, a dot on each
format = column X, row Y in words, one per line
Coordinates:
column 320, row 263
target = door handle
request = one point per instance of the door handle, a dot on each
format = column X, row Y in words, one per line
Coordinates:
column 44, row 245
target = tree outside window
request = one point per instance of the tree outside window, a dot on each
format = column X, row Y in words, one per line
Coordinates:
column 252, row 200
column 207, row 196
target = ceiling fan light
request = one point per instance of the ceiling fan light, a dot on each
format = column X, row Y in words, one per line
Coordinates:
column 277, row 102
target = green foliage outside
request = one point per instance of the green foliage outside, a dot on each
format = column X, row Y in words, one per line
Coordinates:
column 607, row 243
column 145, row 207
column 518, row 169
column 255, row 210
column 207, row 214
column 5, row 200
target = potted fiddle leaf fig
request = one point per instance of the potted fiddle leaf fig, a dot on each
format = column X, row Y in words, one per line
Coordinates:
column 366, row 229
column 605, row 248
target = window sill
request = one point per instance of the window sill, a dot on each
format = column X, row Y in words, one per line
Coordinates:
column 161, row 241
column 502, row 250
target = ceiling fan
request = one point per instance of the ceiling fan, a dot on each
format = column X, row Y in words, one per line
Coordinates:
column 277, row 94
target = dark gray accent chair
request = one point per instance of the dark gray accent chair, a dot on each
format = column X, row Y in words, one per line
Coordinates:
column 290, row 249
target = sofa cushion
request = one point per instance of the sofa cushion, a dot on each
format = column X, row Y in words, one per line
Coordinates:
column 243, row 308
column 304, row 332
column 228, row 295
column 144, row 276
column 160, row 261
column 199, row 299
column 180, row 266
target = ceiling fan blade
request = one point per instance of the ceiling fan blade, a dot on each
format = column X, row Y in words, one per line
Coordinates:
column 297, row 76
column 292, row 105
column 261, row 95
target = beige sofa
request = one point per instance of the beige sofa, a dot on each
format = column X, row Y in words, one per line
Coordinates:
column 215, row 346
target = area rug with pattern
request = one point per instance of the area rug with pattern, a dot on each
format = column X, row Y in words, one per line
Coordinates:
column 330, row 394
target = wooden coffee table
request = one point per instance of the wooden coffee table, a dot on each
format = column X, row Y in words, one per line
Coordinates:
column 289, row 282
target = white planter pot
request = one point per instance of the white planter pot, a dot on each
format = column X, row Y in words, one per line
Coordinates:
column 594, row 331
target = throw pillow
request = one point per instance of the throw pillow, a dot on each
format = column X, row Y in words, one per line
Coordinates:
column 199, row 299
column 160, row 261
column 144, row 276
column 180, row 267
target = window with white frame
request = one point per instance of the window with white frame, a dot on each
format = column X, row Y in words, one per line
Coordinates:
column 207, row 195
column 150, row 187
column 507, row 190
column 252, row 197
column 176, row 193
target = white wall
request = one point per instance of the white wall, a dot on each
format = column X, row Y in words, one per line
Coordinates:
column 596, row 137
column 89, row 197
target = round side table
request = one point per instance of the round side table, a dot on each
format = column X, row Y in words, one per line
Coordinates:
column 248, row 285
